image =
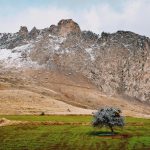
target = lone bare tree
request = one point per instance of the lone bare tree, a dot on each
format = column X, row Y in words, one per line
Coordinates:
column 109, row 117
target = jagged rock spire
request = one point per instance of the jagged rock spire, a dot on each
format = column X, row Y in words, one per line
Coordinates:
column 65, row 27
column 68, row 26
column 23, row 31
column 34, row 32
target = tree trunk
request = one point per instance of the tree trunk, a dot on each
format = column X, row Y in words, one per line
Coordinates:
column 111, row 129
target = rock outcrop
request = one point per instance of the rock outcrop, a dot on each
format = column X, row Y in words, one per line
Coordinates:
column 23, row 31
column 65, row 27
column 68, row 26
column 34, row 33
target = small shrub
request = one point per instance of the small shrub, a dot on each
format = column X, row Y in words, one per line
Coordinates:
column 42, row 114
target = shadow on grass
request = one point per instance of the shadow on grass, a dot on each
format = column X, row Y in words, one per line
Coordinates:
column 102, row 133
column 108, row 134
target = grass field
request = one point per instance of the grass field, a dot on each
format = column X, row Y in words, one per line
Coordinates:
column 135, row 135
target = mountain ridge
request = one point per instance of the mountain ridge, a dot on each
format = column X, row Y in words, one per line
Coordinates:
column 117, row 63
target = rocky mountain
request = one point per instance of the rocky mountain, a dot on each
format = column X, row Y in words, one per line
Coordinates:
column 118, row 63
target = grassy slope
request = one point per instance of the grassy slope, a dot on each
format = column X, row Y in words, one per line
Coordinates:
column 136, row 135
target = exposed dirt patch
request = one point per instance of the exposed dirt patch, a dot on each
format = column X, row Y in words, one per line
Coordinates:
column 121, row 136
column 6, row 122
column 135, row 124
column 110, row 135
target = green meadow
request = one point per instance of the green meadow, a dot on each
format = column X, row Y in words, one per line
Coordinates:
column 31, row 136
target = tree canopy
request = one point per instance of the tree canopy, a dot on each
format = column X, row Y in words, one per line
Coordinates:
column 109, row 117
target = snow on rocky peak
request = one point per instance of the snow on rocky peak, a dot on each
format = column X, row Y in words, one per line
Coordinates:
column 90, row 52
column 17, row 57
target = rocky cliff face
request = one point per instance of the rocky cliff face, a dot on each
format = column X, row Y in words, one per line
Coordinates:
column 117, row 63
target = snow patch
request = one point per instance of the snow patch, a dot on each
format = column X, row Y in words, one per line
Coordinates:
column 57, row 39
column 14, row 58
column 1, row 35
column 90, row 52
column 104, row 44
column 56, row 47
column 126, row 45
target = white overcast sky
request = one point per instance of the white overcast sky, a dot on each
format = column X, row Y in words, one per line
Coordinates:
column 94, row 15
